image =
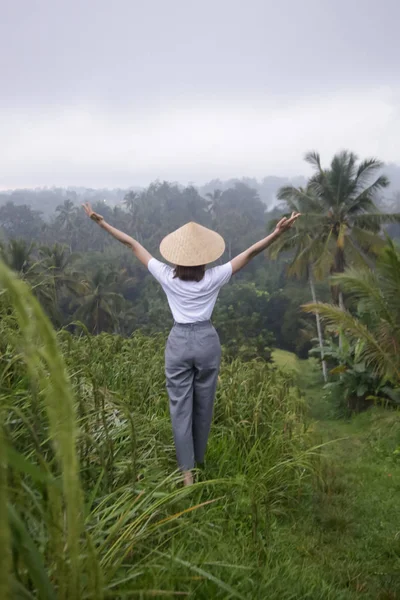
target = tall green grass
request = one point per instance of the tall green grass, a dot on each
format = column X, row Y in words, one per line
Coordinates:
column 5, row 556
column 87, row 467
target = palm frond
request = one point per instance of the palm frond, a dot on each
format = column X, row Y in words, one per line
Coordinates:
column 367, row 240
column 299, row 199
column 341, row 175
column 389, row 280
column 302, row 261
column 366, row 169
column 320, row 186
column 314, row 159
column 382, row 362
column 369, row 193
column 355, row 256
column 283, row 244
column 360, row 205
column 364, row 285
column 374, row 220
column 388, row 337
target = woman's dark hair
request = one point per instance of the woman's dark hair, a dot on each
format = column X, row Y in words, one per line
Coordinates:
column 189, row 273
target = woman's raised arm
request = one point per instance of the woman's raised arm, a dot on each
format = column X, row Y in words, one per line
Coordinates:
column 139, row 251
column 241, row 260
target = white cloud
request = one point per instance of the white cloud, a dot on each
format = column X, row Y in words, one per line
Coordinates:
column 195, row 142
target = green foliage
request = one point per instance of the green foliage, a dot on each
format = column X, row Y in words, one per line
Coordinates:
column 89, row 500
column 348, row 530
column 353, row 387
column 256, row 525
column 47, row 371
column 17, row 255
column 20, row 222
column 5, row 555
column 94, row 511
column 370, row 357
column 241, row 319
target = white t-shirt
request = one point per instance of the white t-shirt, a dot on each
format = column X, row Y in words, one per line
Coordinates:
column 191, row 301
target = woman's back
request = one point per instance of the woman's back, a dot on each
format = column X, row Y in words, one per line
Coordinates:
column 191, row 301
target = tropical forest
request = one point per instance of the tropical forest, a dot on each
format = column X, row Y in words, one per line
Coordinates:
column 298, row 497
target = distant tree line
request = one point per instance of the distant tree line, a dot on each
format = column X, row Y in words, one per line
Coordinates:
column 82, row 275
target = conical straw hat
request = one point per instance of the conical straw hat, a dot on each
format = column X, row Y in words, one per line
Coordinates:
column 192, row 245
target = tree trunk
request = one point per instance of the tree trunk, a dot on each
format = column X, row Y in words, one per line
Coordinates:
column 319, row 329
column 341, row 302
column 339, row 267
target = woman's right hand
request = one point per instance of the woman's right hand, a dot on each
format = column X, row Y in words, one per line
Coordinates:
column 93, row 215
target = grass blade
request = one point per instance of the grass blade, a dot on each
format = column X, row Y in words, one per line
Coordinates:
column 25, row 547
column 5, row 555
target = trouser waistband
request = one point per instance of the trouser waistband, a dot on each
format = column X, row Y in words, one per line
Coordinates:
column 193, row 325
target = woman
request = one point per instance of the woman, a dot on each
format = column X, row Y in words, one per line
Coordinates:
column 193, row 351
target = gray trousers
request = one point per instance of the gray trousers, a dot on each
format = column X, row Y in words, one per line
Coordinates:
column 192, row 360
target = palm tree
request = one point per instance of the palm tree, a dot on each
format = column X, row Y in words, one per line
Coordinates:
column 341, row 216
column 132, row 203
column 66, row 213
column 67, row 220
column 57, row 262
column 376, row 327
column 17, row 255
column 214, row 204
column 303, row 243
column 130, row 200
column 101, row 305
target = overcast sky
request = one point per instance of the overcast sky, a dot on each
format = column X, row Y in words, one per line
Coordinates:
column 118, row 93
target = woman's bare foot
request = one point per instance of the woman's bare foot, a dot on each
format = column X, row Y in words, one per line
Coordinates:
column 187, row 478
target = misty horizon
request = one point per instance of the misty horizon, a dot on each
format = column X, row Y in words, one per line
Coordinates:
column 271, row 180
column 214, row 183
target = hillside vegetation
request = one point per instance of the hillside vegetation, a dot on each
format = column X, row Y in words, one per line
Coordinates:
column 274, row 513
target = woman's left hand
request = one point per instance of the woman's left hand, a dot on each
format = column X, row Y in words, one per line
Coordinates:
column 286, row 223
